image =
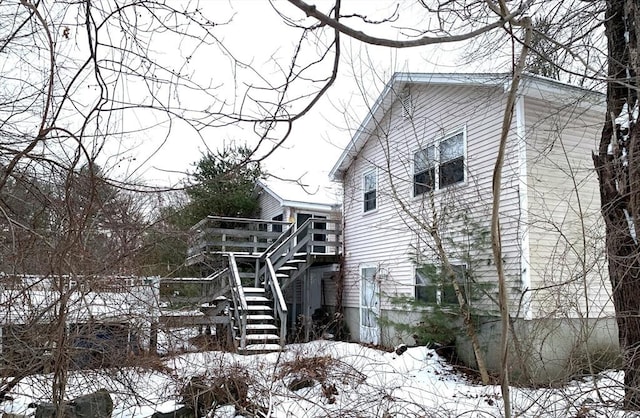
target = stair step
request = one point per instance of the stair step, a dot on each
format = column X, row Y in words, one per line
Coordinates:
column 263, row 337
column 294, row 255
column 265, row 327
column 256, row 299
column 259, row 308
column 260, row 318
column 287, row 268
column 295, row 261
column 253, row 290
column 262, row 348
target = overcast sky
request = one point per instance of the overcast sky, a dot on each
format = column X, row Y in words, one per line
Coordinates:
column 256, row 34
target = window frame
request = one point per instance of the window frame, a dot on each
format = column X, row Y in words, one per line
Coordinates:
column 439, row 288
column 365, row 200
column 436, row 167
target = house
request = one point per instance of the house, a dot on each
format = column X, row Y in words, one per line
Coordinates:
column 417, row 181
column 274, row 274
column 296, row 202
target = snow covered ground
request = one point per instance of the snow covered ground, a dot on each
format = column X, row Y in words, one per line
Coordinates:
column 355, row 381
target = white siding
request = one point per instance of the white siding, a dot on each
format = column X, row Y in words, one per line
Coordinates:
column 568, row 263
column 390, row 235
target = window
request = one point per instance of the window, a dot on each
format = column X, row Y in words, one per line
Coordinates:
column 451, row 169
column 277, row 227
column 444, row 160
column 433, row 287
column 370, row 191
column 424, row 171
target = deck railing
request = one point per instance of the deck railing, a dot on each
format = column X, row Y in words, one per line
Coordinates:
column 314, row 236
column 216, row 234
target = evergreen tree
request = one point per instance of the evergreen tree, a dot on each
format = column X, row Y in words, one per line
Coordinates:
column 223, row 185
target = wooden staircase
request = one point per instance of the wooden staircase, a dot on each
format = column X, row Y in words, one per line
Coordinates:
column 258, row 311
column 262, row 333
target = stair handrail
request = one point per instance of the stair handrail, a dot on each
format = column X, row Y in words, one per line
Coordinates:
column 280, row 305
column 288, row 242
column 239, row 300
column 282, row 239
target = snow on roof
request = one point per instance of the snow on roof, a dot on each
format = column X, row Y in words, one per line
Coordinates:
column 303, row 193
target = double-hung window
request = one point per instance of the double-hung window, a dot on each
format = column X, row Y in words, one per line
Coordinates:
column 434, row 287
column 441, row 164
column 451, row 169
column 424, row 173
column 370, row 190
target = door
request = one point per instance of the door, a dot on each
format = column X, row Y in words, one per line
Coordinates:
column 369, row 306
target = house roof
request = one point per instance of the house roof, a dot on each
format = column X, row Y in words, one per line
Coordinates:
column 301, row 194
column 530, row 86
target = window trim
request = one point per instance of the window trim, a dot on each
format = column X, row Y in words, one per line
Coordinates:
column 465, row 285
column 437, row 163
column 376, row 200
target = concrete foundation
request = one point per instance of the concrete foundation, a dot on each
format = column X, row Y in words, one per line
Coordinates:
column 548, row 351
column 541, row 351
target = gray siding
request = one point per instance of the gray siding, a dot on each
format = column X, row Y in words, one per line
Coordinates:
column 390, row 236
column 568, row 263
column 269, row 206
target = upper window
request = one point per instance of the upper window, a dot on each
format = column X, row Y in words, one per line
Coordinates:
column 424, row 175
column 441, row 163
column 370, row 190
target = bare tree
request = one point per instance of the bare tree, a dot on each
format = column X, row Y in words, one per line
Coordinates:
column 617, row 163
column 73, row 73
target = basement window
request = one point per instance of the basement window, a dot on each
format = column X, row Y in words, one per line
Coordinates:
column 433, row 287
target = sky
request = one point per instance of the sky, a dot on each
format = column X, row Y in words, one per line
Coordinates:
column 242, row 55
column 256, row 34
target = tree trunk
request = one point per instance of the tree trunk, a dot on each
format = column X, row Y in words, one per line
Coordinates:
column 617, row 164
